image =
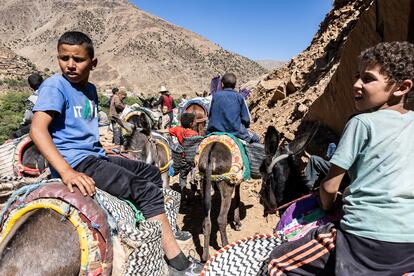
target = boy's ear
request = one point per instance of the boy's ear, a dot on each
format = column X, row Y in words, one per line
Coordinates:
column 404, row 88
column 94, row 63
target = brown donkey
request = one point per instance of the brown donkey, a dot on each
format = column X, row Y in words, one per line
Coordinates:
column 216, row 159
column 143, row 144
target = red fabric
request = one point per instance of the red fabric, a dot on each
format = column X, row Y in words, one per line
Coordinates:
column 168, row 102
column 182, row 133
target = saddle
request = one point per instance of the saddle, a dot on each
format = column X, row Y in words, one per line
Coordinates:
column 240, row 168
column 201, row 102
column 20, row 157
column 114, row 238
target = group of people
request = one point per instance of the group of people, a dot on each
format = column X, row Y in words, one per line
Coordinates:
column 375, row 149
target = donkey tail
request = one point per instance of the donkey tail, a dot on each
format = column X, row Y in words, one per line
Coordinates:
column 208, row 186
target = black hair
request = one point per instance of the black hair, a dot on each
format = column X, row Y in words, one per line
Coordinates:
column 114, row 90
column 187, row 119
column 35, row 80
column 77, row 38
column 229, row 80
column 395, row 59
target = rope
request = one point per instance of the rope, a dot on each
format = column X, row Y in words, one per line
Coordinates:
column 291, row 202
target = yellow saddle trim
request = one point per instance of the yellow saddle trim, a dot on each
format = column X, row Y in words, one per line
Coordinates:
column 73, row 216
column 130, row 114
column 165, row 168
column 235, row 174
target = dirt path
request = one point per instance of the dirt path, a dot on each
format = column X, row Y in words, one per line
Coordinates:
column 251, row 214
column 191, row 217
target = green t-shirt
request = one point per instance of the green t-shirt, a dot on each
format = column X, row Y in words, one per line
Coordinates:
column 377, row 149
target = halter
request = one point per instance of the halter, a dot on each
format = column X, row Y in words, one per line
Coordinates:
column 276, row 159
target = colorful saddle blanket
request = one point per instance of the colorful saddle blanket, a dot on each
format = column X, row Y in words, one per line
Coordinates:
column 102, row 224
column 240, row 168
column 304, row 215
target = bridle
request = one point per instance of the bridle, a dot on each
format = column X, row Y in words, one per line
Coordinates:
column 276, row 159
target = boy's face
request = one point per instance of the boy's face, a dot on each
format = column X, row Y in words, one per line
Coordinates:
column 164, row 110
column 372, row 89
column 75, row 63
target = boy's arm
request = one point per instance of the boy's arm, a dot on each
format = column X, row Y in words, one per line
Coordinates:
column 41, row 138
column 329, row 187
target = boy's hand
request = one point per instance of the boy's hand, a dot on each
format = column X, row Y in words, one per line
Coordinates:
column 85, row 183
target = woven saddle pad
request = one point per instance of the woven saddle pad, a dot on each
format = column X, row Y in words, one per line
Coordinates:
column 248, row 256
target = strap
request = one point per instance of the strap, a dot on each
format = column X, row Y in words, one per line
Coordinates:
column 276, row 159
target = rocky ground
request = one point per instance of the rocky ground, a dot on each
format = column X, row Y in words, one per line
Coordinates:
column 251, row 214
column 190, row 217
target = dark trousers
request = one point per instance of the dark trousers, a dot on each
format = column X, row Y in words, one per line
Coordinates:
column 327, row 250
column 315, row 171
column 128, row 179
column 24, row 129
column 171, row 115
column 254, row 138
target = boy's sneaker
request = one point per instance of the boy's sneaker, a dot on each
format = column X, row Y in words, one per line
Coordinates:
column 195, row 268
column 182, row 235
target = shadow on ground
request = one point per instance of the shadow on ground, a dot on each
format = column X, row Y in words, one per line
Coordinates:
column 193, row 217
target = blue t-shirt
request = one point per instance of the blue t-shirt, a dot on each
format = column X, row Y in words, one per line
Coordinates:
column 377, row 150
column 229, row 113
column 74, row 129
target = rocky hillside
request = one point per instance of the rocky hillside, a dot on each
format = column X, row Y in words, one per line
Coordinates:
column 270, row 64
column 14, row 70
column 317, row 84
column 134, row 49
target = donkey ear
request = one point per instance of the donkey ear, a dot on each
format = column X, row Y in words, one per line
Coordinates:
column 125, row 125
column 271, row 140
column 146, row 127
column 301, row 142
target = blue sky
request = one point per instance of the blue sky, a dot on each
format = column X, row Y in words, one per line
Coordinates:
column 257, row 29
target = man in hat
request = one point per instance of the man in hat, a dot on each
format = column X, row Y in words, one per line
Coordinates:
column 166, row 100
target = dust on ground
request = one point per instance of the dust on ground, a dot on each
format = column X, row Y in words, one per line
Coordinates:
column 190, row 219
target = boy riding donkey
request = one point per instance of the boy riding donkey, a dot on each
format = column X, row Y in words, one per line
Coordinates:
column 376, row 233
column 65, row 130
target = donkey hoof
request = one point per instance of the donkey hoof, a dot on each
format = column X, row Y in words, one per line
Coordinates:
column 205, row 258
column 237, row 226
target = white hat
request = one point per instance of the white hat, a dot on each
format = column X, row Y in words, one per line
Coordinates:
column 163, row 89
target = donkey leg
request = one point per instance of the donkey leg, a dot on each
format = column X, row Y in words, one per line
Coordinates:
column 236, row 220
column 165, row 180
column 207, row 219
column 226, row 191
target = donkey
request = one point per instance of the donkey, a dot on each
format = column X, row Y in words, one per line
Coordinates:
column 44, row 245
column 217, row 159
column 200, row 117
column 142, row 144
column 281, row 175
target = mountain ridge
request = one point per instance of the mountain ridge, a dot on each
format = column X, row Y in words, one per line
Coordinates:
column 134, row 48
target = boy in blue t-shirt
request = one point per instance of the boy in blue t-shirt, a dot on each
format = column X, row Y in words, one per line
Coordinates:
column 65, row 130
column 376, row 233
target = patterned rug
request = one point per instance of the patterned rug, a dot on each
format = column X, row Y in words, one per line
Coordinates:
column 248, row 256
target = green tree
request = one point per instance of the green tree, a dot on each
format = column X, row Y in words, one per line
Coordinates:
column 12, row 107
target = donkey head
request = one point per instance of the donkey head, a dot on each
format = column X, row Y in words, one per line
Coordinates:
column 281, row 180
column 139, row 141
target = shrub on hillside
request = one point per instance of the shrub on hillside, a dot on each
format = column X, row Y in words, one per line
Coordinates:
column 12, row 107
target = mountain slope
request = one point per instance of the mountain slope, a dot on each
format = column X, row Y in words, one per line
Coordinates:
column 134, row 49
